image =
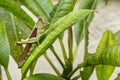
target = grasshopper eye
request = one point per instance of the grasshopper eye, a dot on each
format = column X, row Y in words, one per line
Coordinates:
column 40, row 19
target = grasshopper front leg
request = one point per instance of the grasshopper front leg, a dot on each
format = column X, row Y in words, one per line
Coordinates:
column 29, row 40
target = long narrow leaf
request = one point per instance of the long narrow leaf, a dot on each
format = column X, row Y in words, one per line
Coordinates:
column 53, row 32
column 12, row 6
column 4, row 46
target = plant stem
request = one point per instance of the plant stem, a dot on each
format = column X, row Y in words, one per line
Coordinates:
column 86, row 37
column 70, row 44
column 58, row 58
column 75, row 52
column 63, row 50
column 53, row 66
column 7, row 74
column 73, row 71
column 76, row 77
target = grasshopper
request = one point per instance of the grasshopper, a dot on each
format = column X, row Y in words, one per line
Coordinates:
column 33, row 38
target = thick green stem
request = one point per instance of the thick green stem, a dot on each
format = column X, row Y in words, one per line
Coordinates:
column 7, row 74
column 53, row 66
column 63, row 50
column 86, row 37
column 70, row 44
column 58, row 58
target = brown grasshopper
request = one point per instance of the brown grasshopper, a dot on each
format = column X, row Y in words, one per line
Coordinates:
column 33, row 38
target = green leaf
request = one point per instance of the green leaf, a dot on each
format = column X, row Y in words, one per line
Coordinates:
column 105, row 71
column 43, row 76
column 79, row 27
column 16, row 30
column 48, row 8
column 22, row 31
column 79, row 32
column 88, row 4
column 117, row 37
column 86, row 73
column 38, row 7
column 53, row 32
column 109, row 56
column 106, row 40
column 64, row 7
column 87, row 70
column 12, row 6
column 4, row 46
